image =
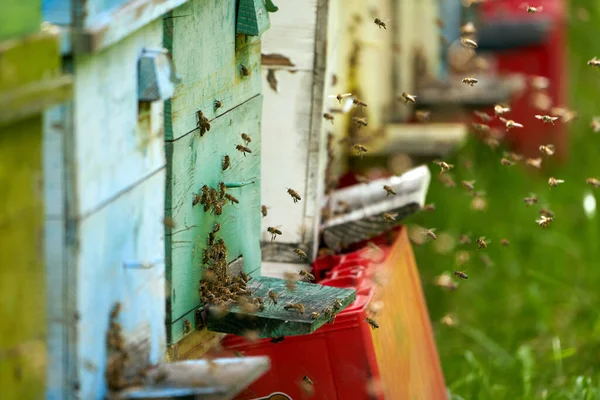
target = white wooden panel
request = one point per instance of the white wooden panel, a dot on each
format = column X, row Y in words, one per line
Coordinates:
column 112, row 152
column 292, row 32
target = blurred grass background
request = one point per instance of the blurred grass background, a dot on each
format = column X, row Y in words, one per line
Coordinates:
column 529, row 326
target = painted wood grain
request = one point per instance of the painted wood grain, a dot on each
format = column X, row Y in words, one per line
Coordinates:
column 127, row 229
column 209, row 58
column 194, row 161
column 23, row 348
column 112, row 150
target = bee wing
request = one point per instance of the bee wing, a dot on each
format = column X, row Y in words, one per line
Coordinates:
column 516, row 124
column 504, row 121
column 539, row 117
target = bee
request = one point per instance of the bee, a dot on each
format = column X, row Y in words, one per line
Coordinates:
column 222, row 189
column 534, row 162
column 337, row 304
column 307, row 276
column 187, row 326
column 499, row 109
column 485, row 117
column 469, row 43
column 328, row 117
column 359, row 103
column 231, row 198
column 260, row 302
column 505, row 242
column 273, row 296
column 263, row 210
column 245, row 71
column 595, row 124
column 506, row 161
column 359, row 149
column 389, row 190
column 238, row 354
column 468, row 29
column 547, row 119
column 430, row 233
column 359, row 121
column 277, row 339
column 298, row 307
column 329, row 311
column 274, row 232
column 509, row 123
column 464, row 239
column 218, row 104
column 197, row 199
column 470, row 81
column 390, row 217
column 295, row 196
column 380, row 23
column 553, row 182
column 530, row 9
column 444, row 166
column 243, row 149
column 422, row 115
column 246, row 138
column 448, row 320
column 594, row 62
column 315, row 315
column 483, row 128
column 202, row 123
column 547, row 149
column 492, row 142
column 245, row 277
column 460, row 274
column 469, row 185
column 530, row 200
column 546, row 213
column 482, row 242
column 428, row 207
column 544, row 221
column 593, row 182
column 409, row 98
column 300, row 253
column 372, row 322
column 307, row 380
column 447, row 180
column 226, row 162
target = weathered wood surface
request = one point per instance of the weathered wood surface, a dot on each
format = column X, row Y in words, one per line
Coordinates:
column 208, row 57
column 23, row 348
column 276, row 321
column 194, row 161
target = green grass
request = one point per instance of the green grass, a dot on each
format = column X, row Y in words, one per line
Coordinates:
column 530, row 324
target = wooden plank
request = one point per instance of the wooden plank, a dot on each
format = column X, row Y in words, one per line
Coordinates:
column 274, row 320
column 194, row 161
column 128, row 229
column 108, row 118
column 19, row 18
column 23, row 358
column 210, row 68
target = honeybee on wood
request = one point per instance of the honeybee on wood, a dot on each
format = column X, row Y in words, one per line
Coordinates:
column 372, row 322
column 315, row 315
column 430, row 233
column 328, row 117
column 485, row 117
column 470, row 81
column 544, row 221
column 482, row 243
column 593, row 182
column 359, row 149
column 504, row 242
column 469, row 185
column 389, row 190
column 295, row 196
column 264, row 210
column 277, row 339
column 594, row 62
column 202, row 123
column 329, row 312
column 359, row 103
column 547, row 149
column 245, row 71
column 273, row 296
column 359, row 121
column 507, row 162
column 390, row 217
column 231, row 198
column 422, row 115
column 222, row 189
column 337, row 304
column 469, row 43
column 197, row 199
column 261, row 304
column 380, row 23
column 460, row 274
column 300, row 253
column 218, row 104
column 444, row 166
column 307, row 276
column 531, row 199
column 553, row 182
column 534, row 162
column 340, row 96
column 409, row 98
column 547, row 119
column 226, row 162
column 246, row 138
column 428, row 207
column 509, row 123
column 243, row 149
column 595, row 124
column 274, row 232
column 298, row 307
column 244, row 276
column 500, row 109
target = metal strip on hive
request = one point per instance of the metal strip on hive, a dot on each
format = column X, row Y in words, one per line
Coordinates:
column 369, row 201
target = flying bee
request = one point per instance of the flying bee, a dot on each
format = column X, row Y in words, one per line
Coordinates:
column 532, row 199
column 422, row 115
column 469, row 43
column 470, row 81
column 534, row 162
column 298, row 307
column 273, row 296
column 243, row 149
column 328, row 117
column 544, row 221
column 506, row 161
column 460, row 274
column 499, row 109
column 300, row 253
column 505, row 242
column 359, row 121
column 222, row 189
column 509, row 123
column 595, row 124
column 444, row 166
column 430, row 233
column 553, row 182
column 485, row 117
column 274, row 232
column 380, row 23
column 530, row 9
column 594, row 62
column 245, row 71
column 372, row 322
column 295, row 196
column 482, row 243
column 547, row 119
column 358, row 103
column 389, row 190
column 231, row 198
column 315, row 315
column 593, row 182
column 264, row 210
column 483, row 128
column 409, row 98
column 359, row 149
column 469, row 185
column 546, row 213
column 428, row 207
column 226, row 162
column 218, row 104
column 547, row 149
column 307, row 276
column 246, row 138
column 390, row 217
